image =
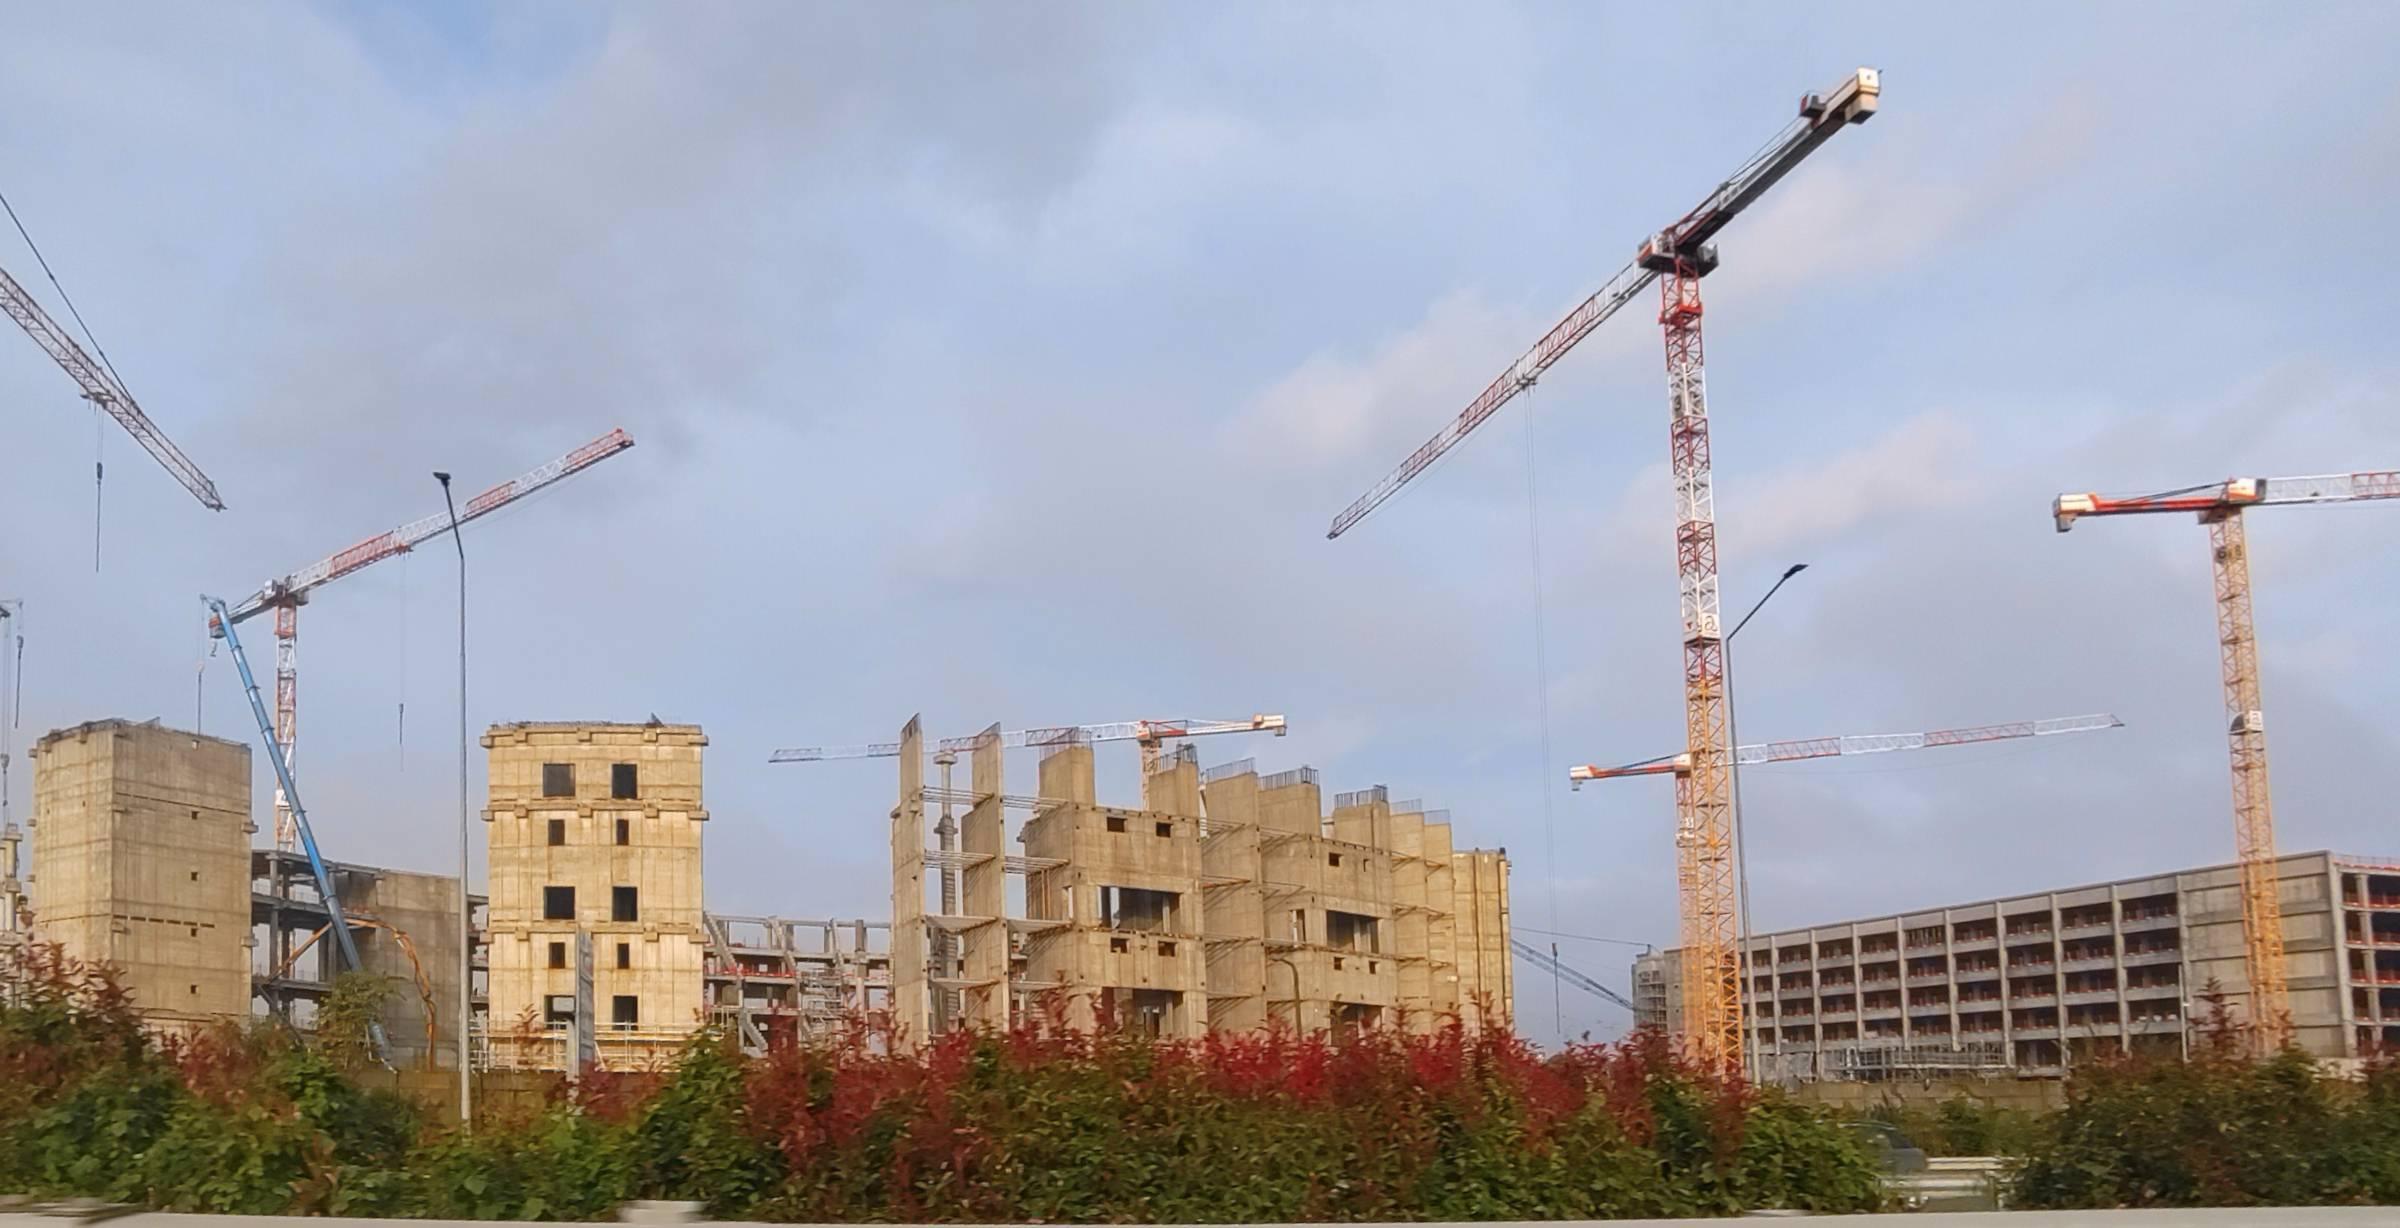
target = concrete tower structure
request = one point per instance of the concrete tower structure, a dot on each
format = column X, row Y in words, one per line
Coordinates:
column 594, row 832
column 1228, row 902
column 141, row 845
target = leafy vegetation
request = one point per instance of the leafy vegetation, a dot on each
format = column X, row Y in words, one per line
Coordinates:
column 1034, row 1124
column 2218, row 1129
column 1962, row 1126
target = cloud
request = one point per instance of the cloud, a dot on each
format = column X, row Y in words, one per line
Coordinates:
column 1924, row 464
column 1008, row 366
column 1338, row 410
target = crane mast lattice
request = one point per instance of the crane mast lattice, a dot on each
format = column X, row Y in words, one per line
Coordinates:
column 2220, row 505
column 285, row 596
column 1677, row 258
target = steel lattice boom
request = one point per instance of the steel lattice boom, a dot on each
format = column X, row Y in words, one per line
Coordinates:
column 2220, row 505
column 1851, row 102
column 101, row 388
column 285, row 596
column 1855, row 744
column 1677, row 257
column 1149, row 733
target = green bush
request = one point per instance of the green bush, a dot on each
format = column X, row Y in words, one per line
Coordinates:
column 1034, row 1124
column 2218, row 1130
column 1962, row 1126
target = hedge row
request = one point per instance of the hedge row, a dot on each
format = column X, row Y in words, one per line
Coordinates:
column 1037, row 1124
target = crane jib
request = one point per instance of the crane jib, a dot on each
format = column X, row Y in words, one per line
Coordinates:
column 1852, row 102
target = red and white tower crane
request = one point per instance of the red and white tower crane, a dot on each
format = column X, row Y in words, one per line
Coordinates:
column 2219, row 506
column 1680, row 765
column 102, row 388
column 1151, row 736
column 1854, row 744
column 287, row 595
column 1677, row 258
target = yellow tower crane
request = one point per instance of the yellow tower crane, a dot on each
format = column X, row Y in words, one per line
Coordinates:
column 2220, row 506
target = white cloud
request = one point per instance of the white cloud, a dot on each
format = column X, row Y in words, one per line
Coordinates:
column 1335, row 410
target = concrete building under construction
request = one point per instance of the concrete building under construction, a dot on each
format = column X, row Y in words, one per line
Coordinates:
column 594, row 833
column 406, row 927
column 1229, row 901
column 141, row 846
column 2036, row 984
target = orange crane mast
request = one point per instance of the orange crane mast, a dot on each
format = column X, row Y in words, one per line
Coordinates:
column 1677, row 258
column 2220, row 505
column 285, row 596
column 1694, row 965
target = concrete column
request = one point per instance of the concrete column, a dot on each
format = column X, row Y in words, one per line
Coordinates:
column 984, row 836
column 910, row 1004
column 1233, row 910
column 1441, row 926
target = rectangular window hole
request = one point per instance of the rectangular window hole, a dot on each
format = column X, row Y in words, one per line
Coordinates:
column 558, row 955
column 624, row 781
column 1334, row 860
column 1116, row 822
column 625, row 904
column 558, row 832
column 625, row 1010
column 624, row 955
column 1167, row 949
column 1166, row 829
column 1120, row 945
column 558, row 903
column 558, row 780
column 624, row 831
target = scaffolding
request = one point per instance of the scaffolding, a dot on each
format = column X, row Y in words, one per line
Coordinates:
column 1894, row 1063
column 799, row 980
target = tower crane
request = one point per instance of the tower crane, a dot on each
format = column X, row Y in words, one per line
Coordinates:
column 1680, row 765
column 2219, row 505
column 285, row 596
column 1150, row 735
column 1853, row 744
column 102, row 388
column 1677, row 257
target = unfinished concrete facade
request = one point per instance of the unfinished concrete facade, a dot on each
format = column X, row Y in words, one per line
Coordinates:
column 2038, row 984
column 785, row 979
column 1230, row 902
column 141, row 845
column 406, row 927
column 594, row 832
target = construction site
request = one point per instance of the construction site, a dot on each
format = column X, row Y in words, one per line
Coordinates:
column 1223, row 899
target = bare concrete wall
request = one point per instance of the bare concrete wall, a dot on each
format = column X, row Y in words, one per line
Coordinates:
column 1486, row 967
column 425, row 908
column 141, row 859
column 649, row 842
column 1234, row 914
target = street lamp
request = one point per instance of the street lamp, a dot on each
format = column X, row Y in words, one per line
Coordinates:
column 466, row 909
column 1741, row 859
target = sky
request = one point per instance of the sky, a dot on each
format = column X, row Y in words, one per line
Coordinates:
column 1008, row 362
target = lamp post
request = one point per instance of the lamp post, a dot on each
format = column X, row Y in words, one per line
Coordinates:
column 1741, row 859
column 466, row 908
